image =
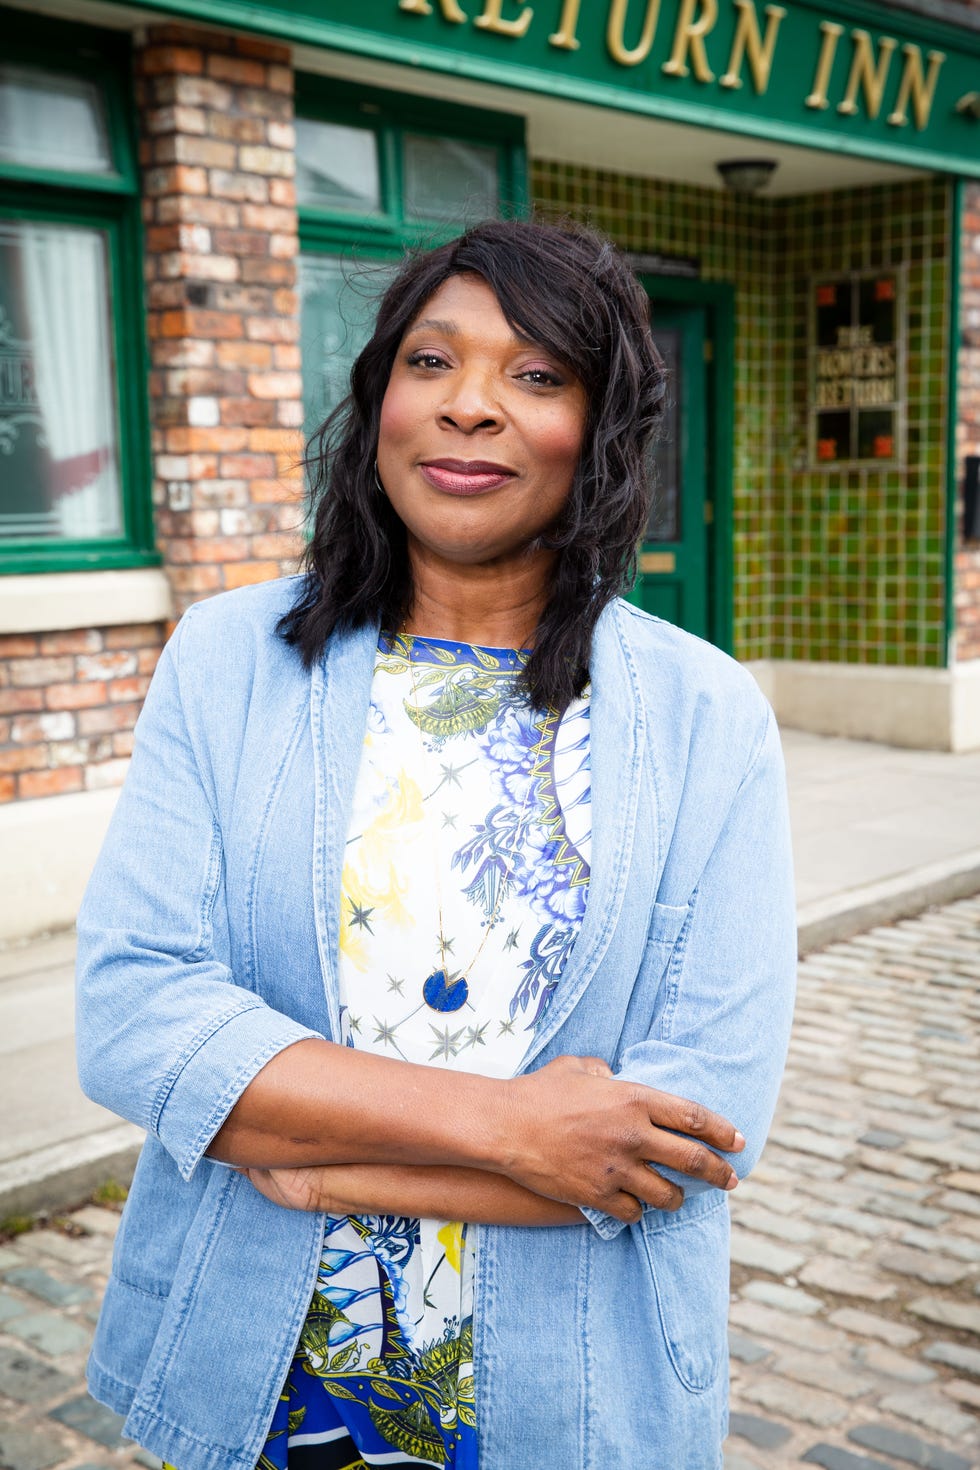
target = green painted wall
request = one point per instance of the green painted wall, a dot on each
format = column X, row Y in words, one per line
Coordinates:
column 839, row 566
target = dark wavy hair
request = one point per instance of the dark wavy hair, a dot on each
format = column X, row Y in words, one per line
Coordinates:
column 568, row 289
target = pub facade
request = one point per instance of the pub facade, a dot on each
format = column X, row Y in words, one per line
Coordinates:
column 200, row 201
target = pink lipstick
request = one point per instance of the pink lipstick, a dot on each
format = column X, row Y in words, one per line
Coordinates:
column 465, row 477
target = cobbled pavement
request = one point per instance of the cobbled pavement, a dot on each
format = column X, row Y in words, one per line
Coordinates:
column 855, row 1321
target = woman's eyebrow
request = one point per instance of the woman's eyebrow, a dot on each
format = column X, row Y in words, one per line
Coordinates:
column 431, row 324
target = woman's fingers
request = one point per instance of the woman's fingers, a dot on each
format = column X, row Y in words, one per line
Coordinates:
column 684, row 1116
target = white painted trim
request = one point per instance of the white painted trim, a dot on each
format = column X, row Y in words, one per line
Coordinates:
column 49, row 602
column 922, row 709
column 48, row 848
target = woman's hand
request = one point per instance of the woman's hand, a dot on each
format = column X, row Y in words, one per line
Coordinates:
column 579, row 1134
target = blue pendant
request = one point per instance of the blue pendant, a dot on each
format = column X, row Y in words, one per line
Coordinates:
column 441, row 993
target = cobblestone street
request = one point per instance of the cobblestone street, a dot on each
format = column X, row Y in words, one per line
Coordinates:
column 856, row 1244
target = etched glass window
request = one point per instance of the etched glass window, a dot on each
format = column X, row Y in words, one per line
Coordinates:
column 49, row 121
column 337, row 167
column 448, row 180
column 664, row 523
column 59, row 468
column 338, row 301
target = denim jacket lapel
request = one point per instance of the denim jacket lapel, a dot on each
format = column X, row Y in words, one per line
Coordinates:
column 340, row 696
column 616, row 746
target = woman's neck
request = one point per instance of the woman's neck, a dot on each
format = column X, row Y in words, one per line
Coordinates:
column 495, row 607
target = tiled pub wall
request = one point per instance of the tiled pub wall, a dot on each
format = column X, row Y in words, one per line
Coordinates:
column 828, row 566
column 730, row 239
column 967, row 570
column 859, row 555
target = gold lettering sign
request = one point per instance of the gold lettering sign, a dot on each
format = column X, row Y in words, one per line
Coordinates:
column 852, row 70
column 855, row 389
column 748, row 42
column 689, row 40
column 493, row 19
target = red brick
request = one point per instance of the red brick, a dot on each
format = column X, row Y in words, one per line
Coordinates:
column 272, row 329
column 241, row 71
column 122, row 743
column 133, row 635
column 23, row 758
column 175, row 179
column 235, row 128
column 259, row 160
column 287, row 356
column 17, row 645
column 275, row 385
column 241, row 242
column 190, row 209
column 219, row 549
column 247, row 466
column 8, row 788
column 262, row 50
column 286, row 545
column 249, row 412
column 244, row 355
column 225, row 439
column 260, row 270
column 269, row 217
column 32, row 673
column 105, row 720
column 202, row 152
column 175, row 119
column 275, row 441
column 98, row 666
column 49, row 783
column 247, row 573
column 147, row 659
column 80, row 640
column 282, row 191
column 186, row 60
column 14, row 700
column 134, row 687
column 225, row 184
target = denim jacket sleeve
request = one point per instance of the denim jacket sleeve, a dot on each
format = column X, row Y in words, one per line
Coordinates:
column 166, row 1038
column 725, row 1003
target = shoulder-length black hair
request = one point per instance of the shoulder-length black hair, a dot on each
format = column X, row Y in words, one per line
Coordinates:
column 566, row 288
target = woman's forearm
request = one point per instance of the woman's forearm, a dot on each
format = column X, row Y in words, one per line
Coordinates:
column 429, row 1192
column 568, row 1131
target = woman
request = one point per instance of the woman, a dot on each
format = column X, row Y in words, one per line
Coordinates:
column 432, row 933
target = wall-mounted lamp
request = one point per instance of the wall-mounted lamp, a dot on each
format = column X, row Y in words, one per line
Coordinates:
column 746, row 175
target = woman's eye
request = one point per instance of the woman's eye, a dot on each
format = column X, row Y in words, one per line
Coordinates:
column 542, row 377
column 426, row 359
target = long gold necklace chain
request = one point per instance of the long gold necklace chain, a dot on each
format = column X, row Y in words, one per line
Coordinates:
column 443, row 990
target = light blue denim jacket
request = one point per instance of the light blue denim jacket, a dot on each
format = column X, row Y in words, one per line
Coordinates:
column 209, row 941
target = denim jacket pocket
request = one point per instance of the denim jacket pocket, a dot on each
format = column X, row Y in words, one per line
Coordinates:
column 688, row 1256
column 666, row 923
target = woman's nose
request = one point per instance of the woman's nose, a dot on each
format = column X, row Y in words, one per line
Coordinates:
column 470, row 403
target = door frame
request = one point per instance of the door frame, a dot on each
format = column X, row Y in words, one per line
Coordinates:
column 717, row 298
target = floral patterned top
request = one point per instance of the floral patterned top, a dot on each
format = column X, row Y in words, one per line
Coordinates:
column 463, row 890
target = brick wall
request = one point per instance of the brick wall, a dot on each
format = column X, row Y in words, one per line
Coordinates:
column 967, row 557
column 68, row 703
column 218, row 158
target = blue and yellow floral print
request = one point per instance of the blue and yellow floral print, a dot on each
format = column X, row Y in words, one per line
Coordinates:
column 467, row 858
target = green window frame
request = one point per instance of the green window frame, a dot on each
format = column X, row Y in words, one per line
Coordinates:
column 108, row 202
column 385, row 235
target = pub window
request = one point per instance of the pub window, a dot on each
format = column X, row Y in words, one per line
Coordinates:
column 73, row 464
column 377, row 173
column 856, row 369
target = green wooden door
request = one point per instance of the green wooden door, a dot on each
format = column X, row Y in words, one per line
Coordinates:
column 673, row 561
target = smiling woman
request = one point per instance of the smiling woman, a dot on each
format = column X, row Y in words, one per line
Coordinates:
column 448, row 902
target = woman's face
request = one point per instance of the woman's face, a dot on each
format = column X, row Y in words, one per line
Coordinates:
column 480, row 432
